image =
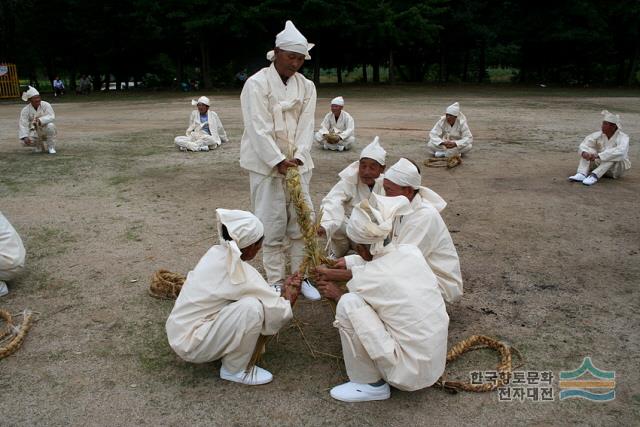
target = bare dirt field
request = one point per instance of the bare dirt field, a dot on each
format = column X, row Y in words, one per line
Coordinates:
column 550, row 267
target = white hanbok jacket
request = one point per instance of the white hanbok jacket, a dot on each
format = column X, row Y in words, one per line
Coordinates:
column 347, row 193
column 459, row 132
column 615, row 149
column 12, row 252
column 278, row 121
column 29, row 114
column 207, row 290
column 344, row 126
column 426, row 229
column 407, row 335
column 215, row 126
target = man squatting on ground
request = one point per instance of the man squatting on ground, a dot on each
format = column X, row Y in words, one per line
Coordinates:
column 205, row 131
column 451, row 134
column 12, row 254
column 278, row 107
column 225, row 304
column 422, row 226
column 35, row 125
column 338, row 123
column 393, row 323
column 603, row 153
column 358, row 182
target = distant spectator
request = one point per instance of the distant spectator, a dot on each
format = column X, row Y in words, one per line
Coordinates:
column 85, row 85
column 58, row 87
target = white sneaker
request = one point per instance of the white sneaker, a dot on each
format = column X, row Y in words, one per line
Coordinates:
column 204, row 148
column 579, row 177
column 355, row 392
column 256, row 376
column 340, row 147
column 4, row 290
column 309, row 291
column 590, row 180
column 325, row 146
column 440, row 154
column 182, row 148
column 52, row 150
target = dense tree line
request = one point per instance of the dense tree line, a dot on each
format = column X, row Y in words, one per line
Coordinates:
column 571, row 41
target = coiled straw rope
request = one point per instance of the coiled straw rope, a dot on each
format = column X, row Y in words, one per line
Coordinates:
column 12, row 335
column 166, row 285
column 448, row 162
column 477, row 342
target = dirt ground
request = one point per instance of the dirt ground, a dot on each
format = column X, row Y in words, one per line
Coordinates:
column 550, row 267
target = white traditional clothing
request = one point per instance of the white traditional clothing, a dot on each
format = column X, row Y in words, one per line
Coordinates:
column 12, row 252
column 344, row 127
column 393, row 323
column 347, row 193
column 210, row 134
column 40, row 134
column 278, row 125
column 225, row 304
column 613, row 154
column 459, row 133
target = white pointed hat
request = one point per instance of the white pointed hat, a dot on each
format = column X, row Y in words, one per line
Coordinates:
column 32, row 91
column 292, row 40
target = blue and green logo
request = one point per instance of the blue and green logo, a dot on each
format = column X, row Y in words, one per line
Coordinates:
column 598, row 386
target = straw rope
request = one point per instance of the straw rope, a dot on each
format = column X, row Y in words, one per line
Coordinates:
column 166, row 285
column 477, row 342
column 448, row 162
column 14, row 335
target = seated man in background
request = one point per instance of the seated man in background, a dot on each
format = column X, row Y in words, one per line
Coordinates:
column 393, row 323
column 450, row 135
column 358, row 182
column 12, row 254
column 205, row 131
column 337, row 129
column 603, row 153
column 58, row 87
column 35, row 125
column 225, row 304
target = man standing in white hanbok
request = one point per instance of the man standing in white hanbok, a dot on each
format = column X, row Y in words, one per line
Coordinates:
column 393, row 323
column 358, row 182
column 603, row 153
column 225, row 304
column 35, row 125
column 337, row 131
column 278, row 108
column 205, row 131
column 451, row 134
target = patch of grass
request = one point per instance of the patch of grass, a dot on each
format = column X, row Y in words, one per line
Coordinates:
column 133, row 233
column 47, row 241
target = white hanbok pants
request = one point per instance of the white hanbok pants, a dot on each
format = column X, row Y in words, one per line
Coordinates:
column 46, row 138
column 193, row 143
column 271, row 204
column 449, row 152
column 611, row 169
column 345, row 143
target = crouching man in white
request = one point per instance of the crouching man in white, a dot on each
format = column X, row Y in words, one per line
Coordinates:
column 225, row 304
column 35, row 125
column 205, row 131
column 393, row 323
column 358, row 182
column 12, row 254
column 603, row 153
column 451, row 134
column 337, row 129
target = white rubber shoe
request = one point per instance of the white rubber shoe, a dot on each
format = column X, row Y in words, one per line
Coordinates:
column 579, row 177
column 52, row 150
column 355, row 392
column 309, row 291
column 440, row 154
column 340, row 147
column 204, row 148
column 4, row 290
column 590, row 180
column 277, row 286
column 256, row 376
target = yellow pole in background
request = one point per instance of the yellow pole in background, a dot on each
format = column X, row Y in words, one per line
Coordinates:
column 9, row 85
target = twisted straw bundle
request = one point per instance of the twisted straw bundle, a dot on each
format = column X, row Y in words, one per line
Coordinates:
column 14, row 334
column 448, row 162
column 166, row 285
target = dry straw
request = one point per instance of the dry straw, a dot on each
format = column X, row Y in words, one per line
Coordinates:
column 166, row 285
column 448, row 162
column 11, row 336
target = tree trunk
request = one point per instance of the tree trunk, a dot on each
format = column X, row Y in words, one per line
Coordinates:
column 376, row 70
column 316, row 65
column 392, row 74
column 365, row 78
column 443, row 62
column 465, row 66
column 107, row 81
column 482, row 65
column 206, row 71
column 339, row 73
column 633, row 63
